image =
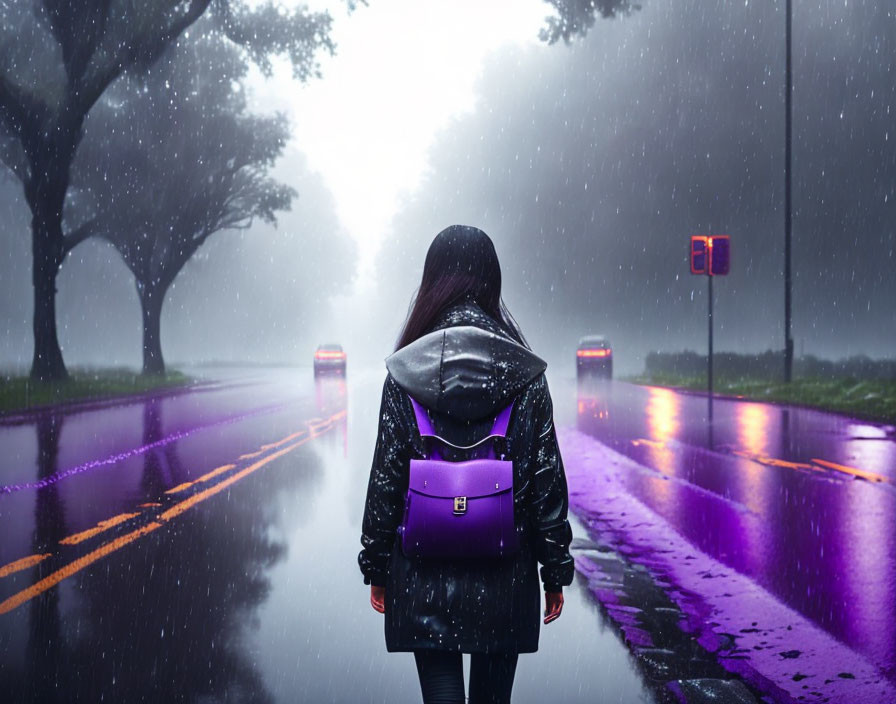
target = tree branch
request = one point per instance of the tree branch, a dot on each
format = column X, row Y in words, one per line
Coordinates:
column 266, row 30
column 78, row 29
column 15, row 106
column 576, row 17
column 79, row 234
column 13, row 158
column 140, row 50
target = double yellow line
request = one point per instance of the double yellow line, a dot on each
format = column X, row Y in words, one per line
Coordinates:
column 817, row 465
column 315, row 428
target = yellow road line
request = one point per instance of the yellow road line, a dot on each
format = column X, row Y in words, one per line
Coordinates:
column 22, row 564
column 98, row 528
column 56, row 577
column 818, row 465
column 774, row 462
column 870, row 476
column 178, row 509
column 645, row 441
column 214, row 473
column 203, row 478
column 179, row 487
column 283, row 441
column 76, row 566
column 318, row 423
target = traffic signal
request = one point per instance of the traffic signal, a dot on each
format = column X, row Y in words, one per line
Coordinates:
column 719, row 255
column 698, row 254
column 710, row 255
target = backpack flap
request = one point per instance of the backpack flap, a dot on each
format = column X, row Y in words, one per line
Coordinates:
column 475, row 478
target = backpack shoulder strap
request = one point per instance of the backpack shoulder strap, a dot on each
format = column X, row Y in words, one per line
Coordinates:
column 424, row 424
column 426, row 430
column 502, row 420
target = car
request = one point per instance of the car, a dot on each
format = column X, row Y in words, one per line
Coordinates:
column 594, row 357
column 329, row 358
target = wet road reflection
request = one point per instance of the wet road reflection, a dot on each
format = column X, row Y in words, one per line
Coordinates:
column 213, row 558
column 161, row 466
column 318, row 611
column 801, row 501
column 160, row 620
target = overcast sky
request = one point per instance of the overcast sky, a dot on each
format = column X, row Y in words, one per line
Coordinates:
column 591, row 165
column 404, row 69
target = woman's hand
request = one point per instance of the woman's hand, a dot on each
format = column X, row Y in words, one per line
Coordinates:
column 378, row 599
column 553, row 606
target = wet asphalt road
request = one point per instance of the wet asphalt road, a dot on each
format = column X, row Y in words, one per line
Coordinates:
column 801, row 502
column 201, row 547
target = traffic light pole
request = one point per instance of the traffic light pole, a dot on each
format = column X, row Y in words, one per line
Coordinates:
column 710, row 256
column 709, row 356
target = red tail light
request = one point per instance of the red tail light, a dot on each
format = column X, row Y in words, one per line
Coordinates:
column 323, row 354
column 593, row 353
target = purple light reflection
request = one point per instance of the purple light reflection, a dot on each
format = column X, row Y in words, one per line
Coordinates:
column 118, row 457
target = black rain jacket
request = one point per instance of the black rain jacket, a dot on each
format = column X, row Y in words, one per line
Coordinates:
column 464, row 372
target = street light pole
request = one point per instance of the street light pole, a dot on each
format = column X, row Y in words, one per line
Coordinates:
column 788, row 113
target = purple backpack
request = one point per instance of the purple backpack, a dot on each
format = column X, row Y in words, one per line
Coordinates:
column 456, row 510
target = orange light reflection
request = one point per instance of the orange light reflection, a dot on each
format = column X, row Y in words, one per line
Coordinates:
column 662, row 425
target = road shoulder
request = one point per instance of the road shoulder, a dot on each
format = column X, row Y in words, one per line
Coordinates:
column 750, row 634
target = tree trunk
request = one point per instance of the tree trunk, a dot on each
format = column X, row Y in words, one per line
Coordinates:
column 47, row 254
column 45, row 192
column 151, row 298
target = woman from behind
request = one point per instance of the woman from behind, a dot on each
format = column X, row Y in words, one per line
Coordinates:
column 451, row 563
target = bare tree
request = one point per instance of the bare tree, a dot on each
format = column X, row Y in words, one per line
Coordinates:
column 57, row 58
column 190, row 162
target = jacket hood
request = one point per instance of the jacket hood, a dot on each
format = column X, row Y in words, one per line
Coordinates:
column 466, row 368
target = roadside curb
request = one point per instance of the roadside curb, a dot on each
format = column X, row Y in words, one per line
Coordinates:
column 22, row 417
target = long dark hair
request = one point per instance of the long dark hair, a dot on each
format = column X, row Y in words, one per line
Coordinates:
column 461, row 263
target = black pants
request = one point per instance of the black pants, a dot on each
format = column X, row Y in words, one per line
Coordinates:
column 442, row 677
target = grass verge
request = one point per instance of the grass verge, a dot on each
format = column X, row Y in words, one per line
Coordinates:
column 868, row 399
column 19, row 393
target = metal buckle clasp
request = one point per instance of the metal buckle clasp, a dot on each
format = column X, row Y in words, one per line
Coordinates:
column 460, row 505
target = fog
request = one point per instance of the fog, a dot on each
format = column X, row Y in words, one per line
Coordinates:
column 257, row 295
column 590, row 165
